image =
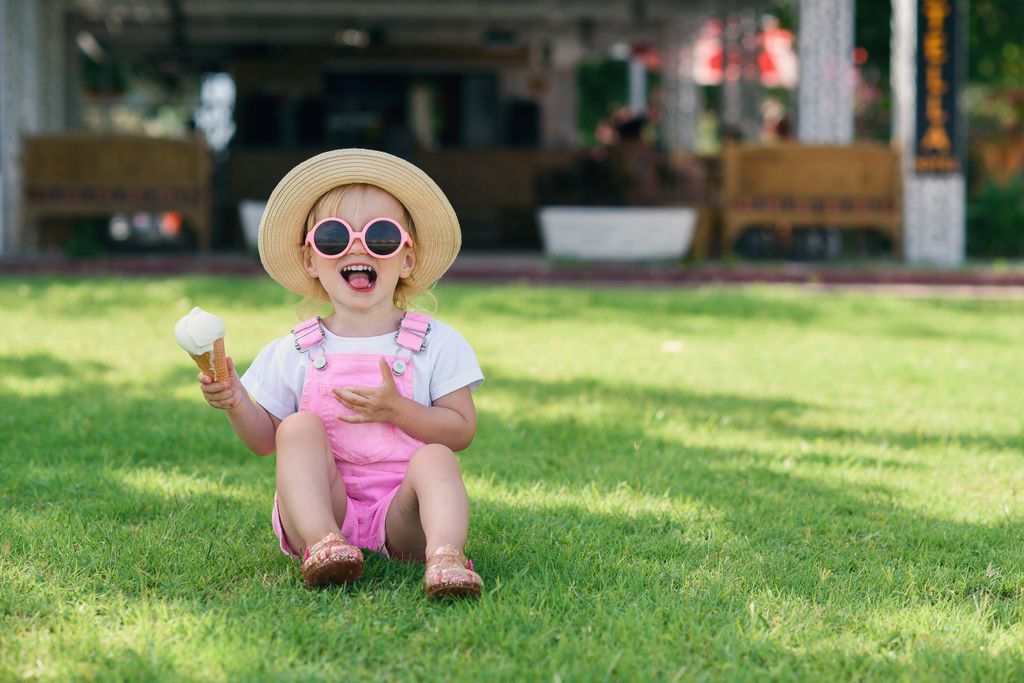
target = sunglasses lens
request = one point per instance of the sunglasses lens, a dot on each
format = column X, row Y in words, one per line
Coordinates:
column 331, row 238
column 383, row 238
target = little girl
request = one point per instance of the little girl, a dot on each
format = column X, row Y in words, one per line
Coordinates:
column 366, row 406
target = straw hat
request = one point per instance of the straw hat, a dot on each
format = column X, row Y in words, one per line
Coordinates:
column 282, row 228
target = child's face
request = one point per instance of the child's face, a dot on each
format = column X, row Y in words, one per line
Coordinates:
column 362, row 290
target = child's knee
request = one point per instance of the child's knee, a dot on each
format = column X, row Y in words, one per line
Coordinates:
column 300, row 425
column 435, row 456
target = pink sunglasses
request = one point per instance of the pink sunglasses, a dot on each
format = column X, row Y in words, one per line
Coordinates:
column 334, row 237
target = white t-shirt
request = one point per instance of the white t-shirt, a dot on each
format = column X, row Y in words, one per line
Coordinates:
column 278, row 373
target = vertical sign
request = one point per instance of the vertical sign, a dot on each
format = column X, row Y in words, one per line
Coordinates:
column 937, row 147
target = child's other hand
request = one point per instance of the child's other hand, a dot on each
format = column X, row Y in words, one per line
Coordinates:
column 371, row 404
column 226, row 395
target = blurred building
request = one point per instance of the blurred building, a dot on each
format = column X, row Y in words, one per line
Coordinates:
column 484, row 95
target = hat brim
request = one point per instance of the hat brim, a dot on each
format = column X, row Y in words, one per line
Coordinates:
column 282, row 227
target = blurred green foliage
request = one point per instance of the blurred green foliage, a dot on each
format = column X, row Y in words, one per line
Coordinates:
column 602, row 88
column 995, row 219
column 995, row 31
column 995, row 111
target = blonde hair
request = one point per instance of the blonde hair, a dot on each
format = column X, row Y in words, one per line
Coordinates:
column 407, row 295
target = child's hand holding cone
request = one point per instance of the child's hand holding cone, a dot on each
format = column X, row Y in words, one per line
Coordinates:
column 201, row 334
column 225, row 394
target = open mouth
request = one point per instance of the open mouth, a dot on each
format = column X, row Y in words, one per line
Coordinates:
column 360, row 277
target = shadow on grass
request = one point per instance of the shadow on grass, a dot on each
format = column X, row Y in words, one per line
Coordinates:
column 678, row 310
column 671, row 310
column 103, row 295
column 36, row 365
column 148, row 497
column 536, row 304
column 774, row 416
column 543, row 304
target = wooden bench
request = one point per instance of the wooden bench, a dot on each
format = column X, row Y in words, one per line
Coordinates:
column 800, row 186
column 83, row 174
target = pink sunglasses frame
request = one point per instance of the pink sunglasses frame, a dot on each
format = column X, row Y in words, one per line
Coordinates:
column 353, row 236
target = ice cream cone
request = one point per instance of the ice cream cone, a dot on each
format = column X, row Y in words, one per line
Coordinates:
column 213, row 363
column 201, row 334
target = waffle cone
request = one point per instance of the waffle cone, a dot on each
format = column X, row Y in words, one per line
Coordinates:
column 214, row 363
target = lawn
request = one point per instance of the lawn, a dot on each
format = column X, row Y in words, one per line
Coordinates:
column 666, row 485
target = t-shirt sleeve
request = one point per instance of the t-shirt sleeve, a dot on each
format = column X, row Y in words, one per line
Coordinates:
column 454, row 365
column 271, row 379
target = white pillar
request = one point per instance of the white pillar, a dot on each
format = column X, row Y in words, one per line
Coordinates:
column 8, row 158
column 32, row 49
column 53, row 46
column 741, row 83
column 556, row 56
column 732, row 94
column 751, row 119
column 560, row 117
column 637, row 85
column 934, row 207
column 681, row 101
column 825, row 91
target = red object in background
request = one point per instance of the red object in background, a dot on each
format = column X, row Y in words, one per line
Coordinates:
column 170, row 223
column 649, row 54
column 707, row 54
column 776, row 60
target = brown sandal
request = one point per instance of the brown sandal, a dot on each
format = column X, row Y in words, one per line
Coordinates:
column 449, row 573
column 332, row 560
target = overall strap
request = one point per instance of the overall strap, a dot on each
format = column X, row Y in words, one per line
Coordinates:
column 308, row 334
column 412, row 331
column 411, row 337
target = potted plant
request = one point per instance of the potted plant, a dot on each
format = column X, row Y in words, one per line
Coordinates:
column 623, row 203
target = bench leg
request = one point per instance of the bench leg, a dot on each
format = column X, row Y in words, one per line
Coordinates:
column 897, row 244
column 784, row 231
column 27, row 239
column 730, row 231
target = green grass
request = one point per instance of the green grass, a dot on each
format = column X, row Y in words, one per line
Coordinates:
column 670, row 485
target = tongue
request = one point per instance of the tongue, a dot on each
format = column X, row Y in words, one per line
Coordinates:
column 359, row 280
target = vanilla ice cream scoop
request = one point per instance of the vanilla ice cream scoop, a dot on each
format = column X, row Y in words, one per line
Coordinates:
column 202, row 335
column 198, row 330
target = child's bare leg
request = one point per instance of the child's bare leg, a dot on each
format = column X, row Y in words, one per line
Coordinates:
column 431, row 508
column 310, row 493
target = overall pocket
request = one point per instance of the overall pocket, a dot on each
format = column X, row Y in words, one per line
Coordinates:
column 359, row 444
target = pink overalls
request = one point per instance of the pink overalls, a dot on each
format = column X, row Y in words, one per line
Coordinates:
column 371, row 458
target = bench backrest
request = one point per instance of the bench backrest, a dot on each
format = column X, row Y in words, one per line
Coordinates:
column 862, row 171
column 99, row 162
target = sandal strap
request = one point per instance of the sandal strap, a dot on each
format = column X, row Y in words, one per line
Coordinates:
column 450, row 573
column 452, row 551
column 333, row 537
